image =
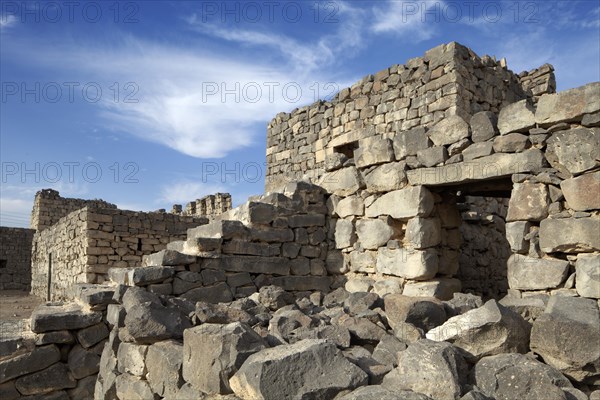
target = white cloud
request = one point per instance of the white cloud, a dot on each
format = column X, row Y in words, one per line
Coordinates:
column 185, row 191
column 411, row 19
column 7, row 21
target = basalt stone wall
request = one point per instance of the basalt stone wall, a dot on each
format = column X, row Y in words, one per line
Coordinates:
column 15, row 258
column 49, row 207
column 209, row 206
column 449, row 80
column 86, row 243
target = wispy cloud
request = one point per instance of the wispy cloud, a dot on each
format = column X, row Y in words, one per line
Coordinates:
column 7, row 21
column 409, row 19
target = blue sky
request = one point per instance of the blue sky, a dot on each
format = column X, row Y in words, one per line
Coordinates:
column 150, row 103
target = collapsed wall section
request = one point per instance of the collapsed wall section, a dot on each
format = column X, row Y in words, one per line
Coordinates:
column 82, row 246
column 15, row 258
column 449, row 80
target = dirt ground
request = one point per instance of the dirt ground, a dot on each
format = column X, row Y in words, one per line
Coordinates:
column 16, row 305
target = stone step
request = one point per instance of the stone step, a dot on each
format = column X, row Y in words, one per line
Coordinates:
column 140, row 276
column 98, row 297
column 176, row 245
column 168, row 258
column 224, row 229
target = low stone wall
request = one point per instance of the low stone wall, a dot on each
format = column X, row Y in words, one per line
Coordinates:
column 15, row 258
column 209, row 206
column 58, row 359
column 85, row 244
column 49, row 207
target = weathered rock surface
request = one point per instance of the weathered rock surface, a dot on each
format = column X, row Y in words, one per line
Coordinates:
column 27, row 363
column 151, row 322
column 568, row 105
column 575, row 150
column 587, row 281
column 411, row 264
column 583, row 192
column 570, row 235
column 289, row 372
column 58, row 317
column 554, row 332
column 55, row 377
column 422, row 312
column 517, row 376
column 449, row 130
column 483, row 126
column 343, row 182
column 377, row 392
column 488, row 330
column 212, row 353
column 528, row 273
column 516, row 117
column 528, row 202
column 435, row 369
column 373, row 234
column 163, row 361
column 408, row 143
column 405, row 203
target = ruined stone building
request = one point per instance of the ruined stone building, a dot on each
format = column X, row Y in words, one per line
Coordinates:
column 447, row 174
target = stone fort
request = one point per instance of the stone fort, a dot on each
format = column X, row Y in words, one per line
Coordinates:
column 389, row 212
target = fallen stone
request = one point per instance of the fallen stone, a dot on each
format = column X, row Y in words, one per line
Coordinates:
column 488, row 330
column 570, row 235
column 50, row 317
column 517, row 376
column 587, row 281
column 377, row 392
column 530, row 308
column 528, row 202
column 36, row 360
column 58, row 337
column 303, row 283
column 167, row 258
column 213, row 353
column 363, row 330
column 553, row 333
column 421, row 312
column 411, row 264
column 373, row 234
column 575, row 150
column 289, row 371
column 435, row 369
column 358, row 302
column 568, row 105
column 95, row 295
column 405, row 203
column 274, row 297
column 449, row 130
column 150, row 322
column 583, row 192
column 516, row 117
column 143, row 276
column 387, row 351
column 528, row 273
column 135, row 296
column 284, row 322
column 483, row 126
column 461, row 303
column 338, row 335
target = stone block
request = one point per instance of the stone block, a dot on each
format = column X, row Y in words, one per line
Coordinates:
column 343, row 182
column 516, row 117
column 349, row 206
column 83, row 362
column 363, row 261
column 478, row 150
column 92, row 335
column 432, row 156
column 373, row 150
column 133, row 388
column 528, row 273
column 574, row 151
column 218, row 293
column 423, row 232
column 303, row 283
column 511, row 143
column 583, row 192
column 386, row 178
column 569, row 105
column 570, row 235
column 50, row 317
column 168, row 258
column 410, row 264
column 528, row 202
column 408, row 143
column 441, row 288
column 422, row 312
column 213, row 353
column 587, row 281
column 515, row 234
column 36, row 360
column 255, row 265
column 55, row 377
column 344, row 234
column 132, row 359
column 483, row 126
column 405, row 203
column 164, row 362
column 373, row 233
column 449, row 130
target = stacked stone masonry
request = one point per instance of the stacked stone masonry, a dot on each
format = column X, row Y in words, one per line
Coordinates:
column 82, row 246
column 208, row 206
column 15, row 258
